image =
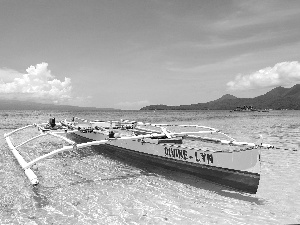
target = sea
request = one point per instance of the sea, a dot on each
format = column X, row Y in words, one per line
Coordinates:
column 88, row 186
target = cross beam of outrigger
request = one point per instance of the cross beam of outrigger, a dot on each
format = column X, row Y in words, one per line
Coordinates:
column 74, row 146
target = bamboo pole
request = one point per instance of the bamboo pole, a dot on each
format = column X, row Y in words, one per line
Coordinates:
column 29, row 173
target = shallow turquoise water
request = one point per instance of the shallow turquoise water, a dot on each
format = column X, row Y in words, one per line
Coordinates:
column 89, row 187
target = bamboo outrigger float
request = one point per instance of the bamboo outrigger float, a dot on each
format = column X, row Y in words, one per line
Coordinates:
column 226, row 162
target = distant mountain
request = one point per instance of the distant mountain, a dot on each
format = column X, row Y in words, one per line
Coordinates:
column 225, row 97
column 278, row 98
column 275, row 93
column 25, row 105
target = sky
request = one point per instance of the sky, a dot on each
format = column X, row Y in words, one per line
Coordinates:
column 126, row 54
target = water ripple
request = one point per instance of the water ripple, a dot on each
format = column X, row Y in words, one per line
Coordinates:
column 91, row 187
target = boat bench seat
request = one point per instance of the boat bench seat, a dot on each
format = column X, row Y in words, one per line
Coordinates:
column 173, row 141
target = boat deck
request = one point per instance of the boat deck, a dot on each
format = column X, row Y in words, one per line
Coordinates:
column 193, row 142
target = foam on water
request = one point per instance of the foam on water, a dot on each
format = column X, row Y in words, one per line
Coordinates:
column 89, row 187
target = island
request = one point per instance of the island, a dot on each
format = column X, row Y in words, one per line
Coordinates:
column 279, row 98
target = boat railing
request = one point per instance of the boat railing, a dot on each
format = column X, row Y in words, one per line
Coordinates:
column 190, row 134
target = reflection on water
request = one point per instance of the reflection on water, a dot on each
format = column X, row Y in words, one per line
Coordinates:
column 89, row 186
column 40, row 196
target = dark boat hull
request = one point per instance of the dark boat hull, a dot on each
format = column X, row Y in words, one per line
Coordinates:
column 239, row 180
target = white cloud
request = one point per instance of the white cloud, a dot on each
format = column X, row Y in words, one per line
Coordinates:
column 37, row 84
column 8, row 75
column 282, row 74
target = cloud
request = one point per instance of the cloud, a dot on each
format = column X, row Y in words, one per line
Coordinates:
column 37, row 84
column 282, row 74
column 8, row 75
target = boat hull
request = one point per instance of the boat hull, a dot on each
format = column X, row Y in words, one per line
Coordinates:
column 244, row 181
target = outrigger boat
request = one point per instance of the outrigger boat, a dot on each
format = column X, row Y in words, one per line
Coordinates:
column 222, row 161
